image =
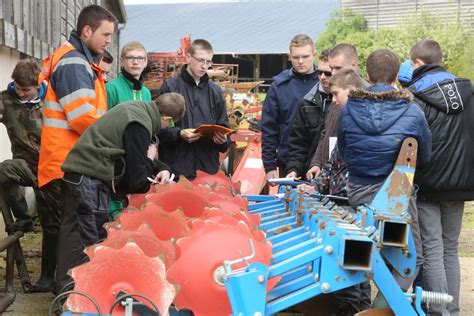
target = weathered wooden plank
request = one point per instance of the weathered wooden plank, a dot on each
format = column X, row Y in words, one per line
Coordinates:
column 20, row 40
column 70, row 18
column 63, row 27
column 26, row 17
column 48, row 19
column 44, row 49
column 36, row 48
column 69, row 27
column 18, row 13
column 2, row 32
column 10, row 34
column 42, row 21
column 55, row 23
column 29, row 45
column 8, row 10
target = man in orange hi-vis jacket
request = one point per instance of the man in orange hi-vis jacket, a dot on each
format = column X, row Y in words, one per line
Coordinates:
column 74, row 100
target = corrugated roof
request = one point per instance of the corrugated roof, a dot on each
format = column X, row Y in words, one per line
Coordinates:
column 261, row 27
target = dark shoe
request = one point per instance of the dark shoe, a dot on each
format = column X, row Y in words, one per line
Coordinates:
column 23, row 225
column 46, row 281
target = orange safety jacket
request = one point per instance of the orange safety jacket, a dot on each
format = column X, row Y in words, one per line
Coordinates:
column 66, row 118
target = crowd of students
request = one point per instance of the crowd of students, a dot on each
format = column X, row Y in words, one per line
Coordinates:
column 349, row 147
column 84, row 144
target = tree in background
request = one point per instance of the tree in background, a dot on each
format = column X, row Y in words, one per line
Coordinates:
column 456, row 40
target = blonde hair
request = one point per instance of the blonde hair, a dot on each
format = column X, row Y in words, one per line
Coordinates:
column 134, row 45
column 301, row 40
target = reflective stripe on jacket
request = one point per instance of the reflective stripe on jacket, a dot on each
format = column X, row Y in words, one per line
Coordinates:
column 74, row 100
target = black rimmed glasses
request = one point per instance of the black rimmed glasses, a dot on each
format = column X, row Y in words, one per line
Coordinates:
column 140, row 59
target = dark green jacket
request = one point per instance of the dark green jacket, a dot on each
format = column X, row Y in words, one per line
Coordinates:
column 121, row 90
column 23, row 124
column 100, row 147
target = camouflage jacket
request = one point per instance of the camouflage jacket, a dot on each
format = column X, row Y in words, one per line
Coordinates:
column 23, row 128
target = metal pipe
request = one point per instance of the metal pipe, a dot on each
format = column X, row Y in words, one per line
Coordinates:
column 8, row 241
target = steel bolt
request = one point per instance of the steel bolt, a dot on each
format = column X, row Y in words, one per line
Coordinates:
column 316, row 277
column 260, row 279
column 320, row 241
column 313, row 234
column 257, row 314
column 329, row 250
column 325, row 287
column 306, row 229
column 310, row 268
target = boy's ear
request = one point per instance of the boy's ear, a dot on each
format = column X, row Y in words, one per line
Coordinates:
column 417, row 63
column 355, row 64
column 370, row 79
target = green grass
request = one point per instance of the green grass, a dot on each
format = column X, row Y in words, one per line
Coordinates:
column 468, row 218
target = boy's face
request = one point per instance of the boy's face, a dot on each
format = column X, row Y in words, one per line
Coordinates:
column 339, row 95
column 98, row 40
column 105, row 67
column 26, row 93
column 339, row 62
column 134, row 62
column 302, row 59
column 199, row 63
column 324, row 74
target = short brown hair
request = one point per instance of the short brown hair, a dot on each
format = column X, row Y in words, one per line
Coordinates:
column 200, row 44
column 26, row 73
column 107, row 57
column 93, row 15
column 382, row 66
column 428, row 51
column 171, row 104
column 301, row 40
column 324, row 56
column 133, row 45
column 345, row 49
column 345, row 78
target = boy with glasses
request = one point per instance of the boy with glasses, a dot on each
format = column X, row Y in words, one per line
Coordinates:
column 309, row 121
column 281, row 103
column 129, row 84
column 184, row 150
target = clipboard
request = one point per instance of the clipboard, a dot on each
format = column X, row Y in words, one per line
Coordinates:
column 208, row 130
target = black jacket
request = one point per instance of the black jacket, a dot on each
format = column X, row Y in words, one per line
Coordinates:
column 448, row 104
column 205, row 104
column 306, row 130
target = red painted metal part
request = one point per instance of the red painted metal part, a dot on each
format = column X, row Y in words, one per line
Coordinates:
column 201, row 254
column 175, row 234
column 165, row 225
column 250, row 172
column 128, row 270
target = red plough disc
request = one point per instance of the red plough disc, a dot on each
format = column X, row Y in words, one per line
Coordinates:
column 201, row 254
column 126, row 270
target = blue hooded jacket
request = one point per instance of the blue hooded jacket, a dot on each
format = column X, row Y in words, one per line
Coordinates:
column 372, row 127
column 279, row 109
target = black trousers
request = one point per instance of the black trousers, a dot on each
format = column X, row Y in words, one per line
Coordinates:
column 85, row 212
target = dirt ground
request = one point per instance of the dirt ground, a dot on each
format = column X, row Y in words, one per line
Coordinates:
column 38, row 304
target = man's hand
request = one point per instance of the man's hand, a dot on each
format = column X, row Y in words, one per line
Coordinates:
column 273, row 174
column 291, row 175
column 313, row 172
column 163, row 177
column 189, row 135
column 219, row 138
column 152, row 151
